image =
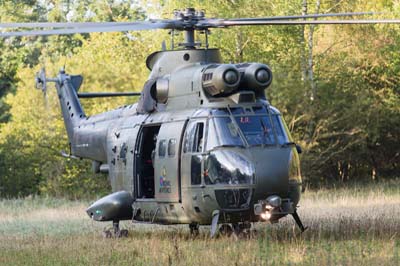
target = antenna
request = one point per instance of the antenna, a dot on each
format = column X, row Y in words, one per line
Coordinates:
column 163, row 46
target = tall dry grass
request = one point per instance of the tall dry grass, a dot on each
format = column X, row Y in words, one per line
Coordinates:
column 348, row 226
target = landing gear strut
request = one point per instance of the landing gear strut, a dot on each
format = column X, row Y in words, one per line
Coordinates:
column 298, row 221
column 116, row 232
column 194, row 229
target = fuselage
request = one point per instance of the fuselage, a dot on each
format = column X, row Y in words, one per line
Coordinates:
column 204, row 147
column 180, row 166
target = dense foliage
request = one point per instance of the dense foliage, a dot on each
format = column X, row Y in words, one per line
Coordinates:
column 336, row 85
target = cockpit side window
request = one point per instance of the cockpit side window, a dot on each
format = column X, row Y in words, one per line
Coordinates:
column 195, row 166
column 198, row 138
column 188, row 137
column 194, row 138
column 280, row 133
column 193, row 144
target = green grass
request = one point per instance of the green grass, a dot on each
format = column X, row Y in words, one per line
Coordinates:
column 348, row 226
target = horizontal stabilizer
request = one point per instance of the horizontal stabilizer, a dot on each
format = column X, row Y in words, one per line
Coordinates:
column 107, row 94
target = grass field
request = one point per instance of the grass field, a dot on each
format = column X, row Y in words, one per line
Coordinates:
column 348, row 226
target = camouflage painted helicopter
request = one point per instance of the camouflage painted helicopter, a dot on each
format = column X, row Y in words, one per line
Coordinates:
column 203, row 146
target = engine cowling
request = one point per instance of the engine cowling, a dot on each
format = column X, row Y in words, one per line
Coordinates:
column 255, row 76
column 220, row 79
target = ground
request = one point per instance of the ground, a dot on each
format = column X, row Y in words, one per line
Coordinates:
column 347, row 226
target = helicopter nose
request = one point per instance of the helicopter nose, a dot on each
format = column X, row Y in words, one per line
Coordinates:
column 271, row 171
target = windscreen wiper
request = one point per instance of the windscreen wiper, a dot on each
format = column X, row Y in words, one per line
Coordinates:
column 287, row 144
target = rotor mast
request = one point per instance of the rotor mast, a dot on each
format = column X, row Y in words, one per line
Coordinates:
column 189, row 19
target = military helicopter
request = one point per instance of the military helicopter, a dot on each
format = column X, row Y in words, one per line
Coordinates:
column 203, row 146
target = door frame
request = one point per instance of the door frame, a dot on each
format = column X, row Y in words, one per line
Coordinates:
column 137, row 151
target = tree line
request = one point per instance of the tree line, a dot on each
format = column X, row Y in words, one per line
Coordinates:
column 337, row 86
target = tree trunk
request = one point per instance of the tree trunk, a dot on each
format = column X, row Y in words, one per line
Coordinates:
column 303, row 42
column 310, row 56
column 239, row 47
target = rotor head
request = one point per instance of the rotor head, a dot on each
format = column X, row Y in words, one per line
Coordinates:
column 40, row 81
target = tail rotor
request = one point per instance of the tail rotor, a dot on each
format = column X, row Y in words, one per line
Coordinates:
column 41, row 81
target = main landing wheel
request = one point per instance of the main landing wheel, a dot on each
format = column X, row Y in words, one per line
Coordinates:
column 226, row 230
column 242, row 230
column 194, row 229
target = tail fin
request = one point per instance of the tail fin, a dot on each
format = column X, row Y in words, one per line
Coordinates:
column 67, row 89
column 71, row 108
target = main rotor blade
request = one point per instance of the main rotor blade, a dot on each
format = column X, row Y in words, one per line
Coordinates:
column 135, row 26
column 348, row 14
column 229, row 23
column 55, row 25
column 59, row 24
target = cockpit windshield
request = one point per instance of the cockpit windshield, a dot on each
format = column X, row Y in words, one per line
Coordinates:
column 240, row 126
column 256, row 129
column 222, row 132
column 228, row 167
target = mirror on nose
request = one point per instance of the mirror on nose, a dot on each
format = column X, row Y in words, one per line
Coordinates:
column 299, row 149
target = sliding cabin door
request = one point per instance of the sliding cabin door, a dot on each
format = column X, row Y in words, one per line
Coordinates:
column 167, row 162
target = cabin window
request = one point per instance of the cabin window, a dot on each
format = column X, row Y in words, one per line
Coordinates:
column 162, row 147
column 196, row 169
column 171, row 147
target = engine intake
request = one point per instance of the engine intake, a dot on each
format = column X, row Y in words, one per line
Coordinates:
column 220, row 79
column 255, row 76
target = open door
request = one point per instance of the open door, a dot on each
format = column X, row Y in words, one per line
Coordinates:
column 167, row 160
column 144, row 166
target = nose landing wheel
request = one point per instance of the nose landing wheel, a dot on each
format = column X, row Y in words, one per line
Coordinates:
column 116, row 232
column 237, row 230
column 194, row 229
